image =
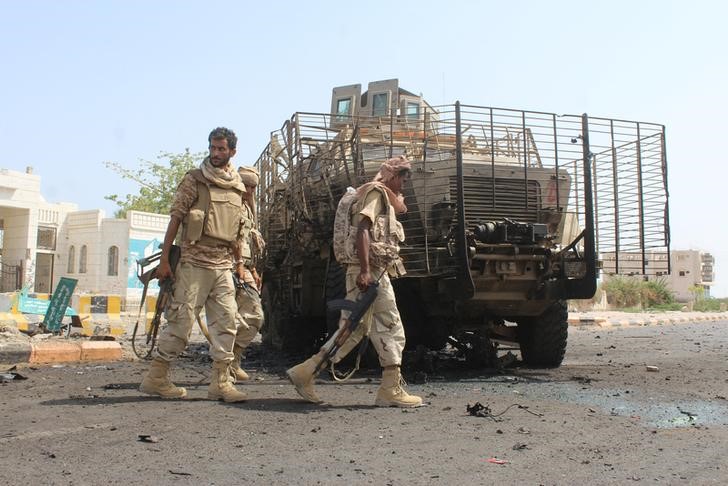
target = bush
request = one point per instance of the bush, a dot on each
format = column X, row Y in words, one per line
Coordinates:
column 708, row 304
column 629, row 292
column 656, row 292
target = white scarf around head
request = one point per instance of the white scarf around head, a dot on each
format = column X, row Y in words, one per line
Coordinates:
column 226, row 177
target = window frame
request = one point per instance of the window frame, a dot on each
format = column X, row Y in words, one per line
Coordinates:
column 83, row 260
column 376, row 96
column 112, row 261
column 343, row 116
column 416, row 114
column 70, row 268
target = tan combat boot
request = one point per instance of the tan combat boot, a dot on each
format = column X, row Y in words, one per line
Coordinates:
column 221, row 387
column 156, row 381
column 391, row 393
column 236, row 371
column 303, row 376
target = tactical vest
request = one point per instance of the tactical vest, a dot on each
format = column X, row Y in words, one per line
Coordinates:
column 217, row 217
column 246, row 250
column 386, row 234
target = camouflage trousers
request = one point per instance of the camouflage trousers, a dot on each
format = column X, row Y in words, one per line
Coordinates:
column 383, row 322
column 195, row 288
column 249, row 317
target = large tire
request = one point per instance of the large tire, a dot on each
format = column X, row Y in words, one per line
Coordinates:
column 282, row 331
column 543, row 339
column 271, row 330
column 335, row 289
column 420, row 328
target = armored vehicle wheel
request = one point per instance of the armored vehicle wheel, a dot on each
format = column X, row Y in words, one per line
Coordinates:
column 282, row 331
column 420, row 328
column 543, row 338
column 335, row 289
column 272, row 330
column 267, row 332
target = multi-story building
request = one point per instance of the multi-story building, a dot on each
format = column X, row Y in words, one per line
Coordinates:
column 692, row 271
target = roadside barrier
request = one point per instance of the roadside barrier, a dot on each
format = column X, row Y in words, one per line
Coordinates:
column 99, row 314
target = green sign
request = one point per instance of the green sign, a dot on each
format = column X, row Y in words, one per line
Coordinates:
column 59, row 301
column 31, row 305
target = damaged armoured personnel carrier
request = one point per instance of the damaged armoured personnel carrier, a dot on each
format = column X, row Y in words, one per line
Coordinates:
column 507, row 212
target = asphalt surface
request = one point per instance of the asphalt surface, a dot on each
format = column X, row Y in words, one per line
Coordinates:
column 630, row 404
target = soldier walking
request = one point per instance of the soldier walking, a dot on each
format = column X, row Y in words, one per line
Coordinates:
column 250, row 310
column 370, row 253
column 209, row 206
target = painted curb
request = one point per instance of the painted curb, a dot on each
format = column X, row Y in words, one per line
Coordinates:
column 50, row 352
column 100, row 351
column 646, row 321
column 55, row 352
column 12, row 353
column 587, row 321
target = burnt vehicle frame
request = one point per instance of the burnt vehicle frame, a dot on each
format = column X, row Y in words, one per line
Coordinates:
column 511, row 213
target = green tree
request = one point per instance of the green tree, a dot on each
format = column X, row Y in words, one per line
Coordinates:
column 157, row 181
column 698, row 292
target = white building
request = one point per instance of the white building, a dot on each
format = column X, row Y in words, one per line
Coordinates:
column 691, row 269
column 41, row 242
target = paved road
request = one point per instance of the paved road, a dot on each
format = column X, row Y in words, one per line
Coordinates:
column 601, row 418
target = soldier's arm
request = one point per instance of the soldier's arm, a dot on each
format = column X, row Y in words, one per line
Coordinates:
column 362, row 249
column 164, row 270
column 184, row 198
column 237, row 248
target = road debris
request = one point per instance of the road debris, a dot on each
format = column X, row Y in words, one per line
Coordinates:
column 148, row 438
column 495, row 460
column 11, row 376
column 480, row 410
column 691, row 416
column 584, row 380
column 520, row 446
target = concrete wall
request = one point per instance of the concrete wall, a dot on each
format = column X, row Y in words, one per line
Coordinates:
column 687, row 272
column 146, row 233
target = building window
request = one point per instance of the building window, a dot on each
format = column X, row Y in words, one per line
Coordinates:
column 46, row 239
column 413, row 110
column 82, row 260
column 71, row 259
column 380, row 104
column 343, row 109
column 113, row 261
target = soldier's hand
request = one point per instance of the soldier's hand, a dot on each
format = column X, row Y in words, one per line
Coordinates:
column 164, row 271
column 256, row 278
column 363, row 280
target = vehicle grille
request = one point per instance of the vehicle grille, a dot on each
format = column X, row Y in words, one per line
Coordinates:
column 487, row 199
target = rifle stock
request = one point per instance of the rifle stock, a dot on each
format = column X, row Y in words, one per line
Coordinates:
column 166, row 287
column 357, row 308
column 165, row 291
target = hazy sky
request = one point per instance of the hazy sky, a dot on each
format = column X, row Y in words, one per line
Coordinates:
column 83, row 82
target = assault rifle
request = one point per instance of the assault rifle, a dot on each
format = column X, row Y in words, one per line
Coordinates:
column 165, row 293
column 357, row 308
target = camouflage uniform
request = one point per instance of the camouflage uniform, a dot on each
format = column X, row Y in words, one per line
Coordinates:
column 203, row 278
column 250, row 309
column 386, row 330
column 378, row 202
